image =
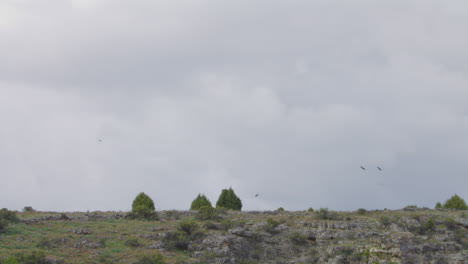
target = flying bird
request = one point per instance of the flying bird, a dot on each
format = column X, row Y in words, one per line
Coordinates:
column 363, row 168
column 380, row 169
column 100, row 140
column 256, row 195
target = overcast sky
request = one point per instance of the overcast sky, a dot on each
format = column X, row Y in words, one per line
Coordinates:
column 282, row 98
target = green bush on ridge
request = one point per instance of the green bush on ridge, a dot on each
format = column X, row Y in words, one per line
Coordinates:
column 455, row 202
column 229, row 200
column 143, row 208
column 199, row 202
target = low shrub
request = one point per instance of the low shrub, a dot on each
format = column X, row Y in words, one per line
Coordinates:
column 35, row 257
column 450, row 224
column 44, row 243
column 385, row 221
column 428, row 227
column 461, row 238
column 207, row 213
column 281, row 209
column 325, row 214
column 297, row 238
column 271, row 225
column 226, row 224
column 176, row 240
column 310, row 210
column 151, row 259
column 132, row 242
column 187, row 231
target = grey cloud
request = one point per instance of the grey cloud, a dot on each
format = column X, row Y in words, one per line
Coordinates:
column 286, row 99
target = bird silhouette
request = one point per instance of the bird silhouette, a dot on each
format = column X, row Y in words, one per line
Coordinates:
column 380, row 169
column 363, row 168
column 256, row 195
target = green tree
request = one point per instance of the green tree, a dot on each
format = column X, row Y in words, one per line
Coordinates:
column 438, row 205
column 199, row 202
column 229, row 200
column 456, row 202
column 143, row 208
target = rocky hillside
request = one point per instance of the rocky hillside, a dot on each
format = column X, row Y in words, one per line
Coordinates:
column 404, row 236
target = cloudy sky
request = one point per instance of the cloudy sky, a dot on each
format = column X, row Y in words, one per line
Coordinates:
column 282, row 98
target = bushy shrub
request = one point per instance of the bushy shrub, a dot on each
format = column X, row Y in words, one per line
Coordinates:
column 229, row 200
column 143, row 208
column 428, row 227
column 151, row 259
column 199, row 202
column 9, row 216
column 281, row 209
column 438, row 205
column 455, row 202
column 188, row 227
column 3, row 226
column 323, row 213
column 207, row 213
column 361, row 211
column 28, row 209
column 310, row 210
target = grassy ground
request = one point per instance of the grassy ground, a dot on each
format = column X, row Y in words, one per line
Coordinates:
column 111, row 240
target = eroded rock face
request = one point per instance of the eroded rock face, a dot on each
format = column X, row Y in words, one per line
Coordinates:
column 335, row 242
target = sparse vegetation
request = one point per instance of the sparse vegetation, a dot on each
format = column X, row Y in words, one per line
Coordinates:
column 151, row 259
column 181, row 236
column 229, row 200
